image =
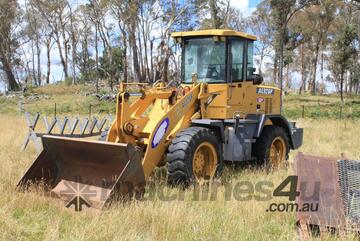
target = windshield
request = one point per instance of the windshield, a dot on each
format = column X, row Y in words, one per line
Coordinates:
column 206, row 58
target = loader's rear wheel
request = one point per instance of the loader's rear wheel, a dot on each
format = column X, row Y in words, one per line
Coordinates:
column 272, row 147
column 194, row 155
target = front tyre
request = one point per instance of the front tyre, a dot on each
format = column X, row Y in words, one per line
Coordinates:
column 194, row 156
column 272, row 147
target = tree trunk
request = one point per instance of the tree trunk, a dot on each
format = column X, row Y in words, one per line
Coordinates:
column 133, row 44
column 62, row 60
column 7, row 68
column 314, row 63
column 48, row 51
column 141, row 63
column 350, row 82
column 152, row 60
column 275, row 70
column 124, row 60
column 166, row 67
column 303, row 70
column 281, row 64
column 145, row 37
column 34, row 78
column 96, row 60
column 342, row 86
column 215, row 14
column 38, row 55
column 287, row 75
column 73, row 46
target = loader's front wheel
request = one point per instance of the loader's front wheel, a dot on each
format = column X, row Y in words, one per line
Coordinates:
column 194, row 155
column 272, row 148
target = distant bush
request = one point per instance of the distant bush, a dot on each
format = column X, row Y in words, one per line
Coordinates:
column 68, row 81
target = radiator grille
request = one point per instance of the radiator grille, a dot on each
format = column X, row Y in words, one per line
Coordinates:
column 268, row 105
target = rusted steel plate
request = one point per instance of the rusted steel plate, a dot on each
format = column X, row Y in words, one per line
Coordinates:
column 89, row 173
column 318, row 184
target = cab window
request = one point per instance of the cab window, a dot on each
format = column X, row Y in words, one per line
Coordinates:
column 205, row 58
column 237, row 59
column 250, row 59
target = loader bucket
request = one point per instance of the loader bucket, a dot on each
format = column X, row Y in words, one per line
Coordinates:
column 90, row 173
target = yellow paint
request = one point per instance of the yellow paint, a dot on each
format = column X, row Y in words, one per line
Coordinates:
column 153, row 120
column 241, row 98
column 213, row 32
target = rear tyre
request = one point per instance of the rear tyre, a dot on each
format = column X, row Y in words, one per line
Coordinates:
column 272, row 147
column 194, row 156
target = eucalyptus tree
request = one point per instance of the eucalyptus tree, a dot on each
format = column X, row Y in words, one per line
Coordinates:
column 9, row 40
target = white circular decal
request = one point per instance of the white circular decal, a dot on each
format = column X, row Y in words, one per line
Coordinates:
column 160, row 132
column 260, row 100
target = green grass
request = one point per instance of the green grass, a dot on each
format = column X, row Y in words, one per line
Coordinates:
column 68, row 99
column 319, row 107
column 76, row 100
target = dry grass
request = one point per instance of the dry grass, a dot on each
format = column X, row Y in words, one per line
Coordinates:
column 30, row 216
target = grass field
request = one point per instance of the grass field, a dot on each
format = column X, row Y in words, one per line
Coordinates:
column 31, row 216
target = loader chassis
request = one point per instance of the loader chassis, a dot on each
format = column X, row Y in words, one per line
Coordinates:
column 220, row 111
column 238, row 137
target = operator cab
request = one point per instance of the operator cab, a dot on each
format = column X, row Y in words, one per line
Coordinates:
column 217, row 56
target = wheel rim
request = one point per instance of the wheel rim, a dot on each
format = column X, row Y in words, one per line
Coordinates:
column 204, row 162
column 277, row 152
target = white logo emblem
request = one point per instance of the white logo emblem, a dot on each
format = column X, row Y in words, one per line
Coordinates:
column 160, row 132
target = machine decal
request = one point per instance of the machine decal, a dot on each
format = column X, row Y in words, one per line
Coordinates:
column 265, row 91
column 187, row 101
column 260, row 100
column 160, row 132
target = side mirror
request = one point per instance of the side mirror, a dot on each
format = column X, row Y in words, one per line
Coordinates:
column 256, row 79
column 252, row 70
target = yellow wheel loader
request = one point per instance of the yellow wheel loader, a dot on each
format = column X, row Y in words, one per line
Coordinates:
column 220, row 112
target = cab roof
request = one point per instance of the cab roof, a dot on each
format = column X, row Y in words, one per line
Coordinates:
column 213, row 32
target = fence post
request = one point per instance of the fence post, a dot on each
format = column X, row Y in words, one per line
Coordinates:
column 303, row 111
column 340, row 112
column 55, row 110
column 89, row 111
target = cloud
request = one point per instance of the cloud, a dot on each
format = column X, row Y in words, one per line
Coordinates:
column 243, row 6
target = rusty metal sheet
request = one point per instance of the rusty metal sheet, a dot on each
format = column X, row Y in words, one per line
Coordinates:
column 89, row 173
column 318, row 183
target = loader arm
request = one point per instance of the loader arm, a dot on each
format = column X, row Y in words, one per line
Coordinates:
column 177, row 118
column 155, row 128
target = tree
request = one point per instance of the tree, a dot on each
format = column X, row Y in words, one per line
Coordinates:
column 282, row 13
column 111, row 65
column 344, row 49
column 8, row 40
column 313, row 24
column 260, row 24
column 56, row 15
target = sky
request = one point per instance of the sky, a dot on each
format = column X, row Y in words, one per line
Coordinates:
column 245, row 6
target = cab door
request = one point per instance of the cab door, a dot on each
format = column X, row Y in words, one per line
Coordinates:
column 236, row 60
